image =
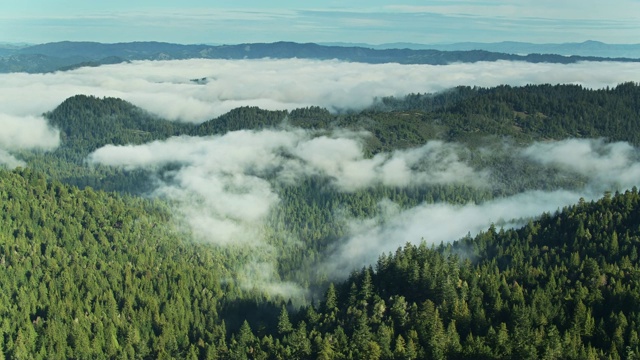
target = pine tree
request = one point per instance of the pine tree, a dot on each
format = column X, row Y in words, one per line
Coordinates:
column 284, row 325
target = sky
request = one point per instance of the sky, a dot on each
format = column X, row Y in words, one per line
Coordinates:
column 372, row 21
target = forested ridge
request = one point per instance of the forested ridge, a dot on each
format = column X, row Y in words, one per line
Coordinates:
column 91, row 266
column 565, row 286
column 473, row 116
column 88, row 274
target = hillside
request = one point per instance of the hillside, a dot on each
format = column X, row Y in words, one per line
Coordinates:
column 534, row 111
column 247, row 236
column 565, row 286
column 88, row 274
column 87, row 123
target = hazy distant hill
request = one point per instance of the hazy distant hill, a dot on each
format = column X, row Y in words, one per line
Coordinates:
column 7, row 49
column 131, row 51
column 586, row 48
column 66, row 55
column 38, row 63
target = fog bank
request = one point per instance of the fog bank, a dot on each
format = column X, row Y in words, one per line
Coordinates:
column 198, row 90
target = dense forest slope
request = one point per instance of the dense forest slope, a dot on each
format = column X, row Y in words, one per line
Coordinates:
column 565, row 286
column 533, row 111
column 97, row 262
column 87, row 274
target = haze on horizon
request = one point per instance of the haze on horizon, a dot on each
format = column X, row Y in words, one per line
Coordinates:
column 373, row 22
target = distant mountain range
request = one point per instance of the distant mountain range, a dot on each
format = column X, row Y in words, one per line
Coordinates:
column 586, row 48
column 69, row 55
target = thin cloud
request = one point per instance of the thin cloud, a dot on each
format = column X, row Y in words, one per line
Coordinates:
column 24, row 133
column 450, row 21
column 605, row 166
column 546, row 9
column 9, row 161
column 434, row 223
column 223, row 188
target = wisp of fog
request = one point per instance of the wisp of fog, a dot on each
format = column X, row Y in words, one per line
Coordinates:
column 223, row 183
column 223, row 186
column 24, row 133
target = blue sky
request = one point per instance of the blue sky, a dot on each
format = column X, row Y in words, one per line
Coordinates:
column 373, row 21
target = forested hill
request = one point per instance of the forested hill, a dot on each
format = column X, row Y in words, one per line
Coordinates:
column 87, row 122
column 532, row 112
column 463, row 114
column 564, row 287
column 86, row 274
column 68, row 55
column 585, row 48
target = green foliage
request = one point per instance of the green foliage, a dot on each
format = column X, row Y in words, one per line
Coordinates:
column 86, row 273
column 543, row 305
column 532, row 112
column 87, row 123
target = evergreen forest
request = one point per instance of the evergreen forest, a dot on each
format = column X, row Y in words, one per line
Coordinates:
column 97, row 263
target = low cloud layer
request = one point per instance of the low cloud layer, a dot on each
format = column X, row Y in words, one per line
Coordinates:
column 9, row 161
column 224, row 187
column 27, row 132
column 165, row 87
column 606, row 165
column 219, row 182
